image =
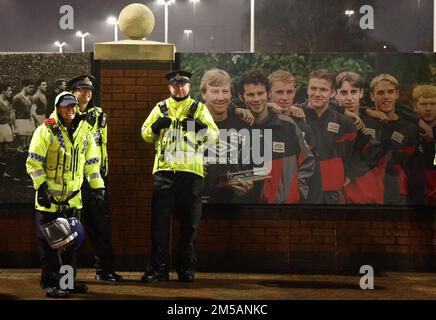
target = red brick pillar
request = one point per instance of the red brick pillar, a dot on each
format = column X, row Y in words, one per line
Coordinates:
column 129, row 89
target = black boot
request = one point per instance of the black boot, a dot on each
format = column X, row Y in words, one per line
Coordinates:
column 104, row 275
column 56, row 292
column 79, row 287
column 156, row 274
column 186, row 275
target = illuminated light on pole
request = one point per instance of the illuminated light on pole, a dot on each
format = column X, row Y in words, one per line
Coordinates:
column 349, row 13
column 188, row 33
column 115, row 23
column 60, row 45
column 82, row 35
column 166, row 3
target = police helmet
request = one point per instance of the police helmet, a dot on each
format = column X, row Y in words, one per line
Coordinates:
column 64, row 234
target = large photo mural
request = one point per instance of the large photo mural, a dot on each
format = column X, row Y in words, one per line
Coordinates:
column 347, row 129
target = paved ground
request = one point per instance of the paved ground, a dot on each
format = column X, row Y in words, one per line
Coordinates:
column 24, row 284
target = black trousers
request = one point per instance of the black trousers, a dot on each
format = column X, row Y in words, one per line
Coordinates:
column 178, row 194
column 51, row 259
column 98, row 223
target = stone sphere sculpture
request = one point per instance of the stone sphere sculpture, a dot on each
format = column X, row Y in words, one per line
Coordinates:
column 136, row 21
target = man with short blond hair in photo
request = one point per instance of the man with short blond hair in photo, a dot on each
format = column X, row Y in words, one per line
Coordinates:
column 282, row 90
column 403, row 138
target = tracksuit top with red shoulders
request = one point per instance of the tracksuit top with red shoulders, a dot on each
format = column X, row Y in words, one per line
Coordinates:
column 367, row 165
column 334, row 135
column 403, row 138
column 292, row 164
column 423, row 175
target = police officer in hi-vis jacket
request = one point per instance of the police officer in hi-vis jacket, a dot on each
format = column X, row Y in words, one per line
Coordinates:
column 179, row 127
column 62, row 154
column 96, row 218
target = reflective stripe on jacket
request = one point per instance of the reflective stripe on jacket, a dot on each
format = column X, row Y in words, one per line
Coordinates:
column 96, row 119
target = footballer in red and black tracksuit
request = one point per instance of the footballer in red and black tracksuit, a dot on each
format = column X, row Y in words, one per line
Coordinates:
column 423, row 176
column 334, row 135
column 368, row 164
column 403, row 138
column 292, row 164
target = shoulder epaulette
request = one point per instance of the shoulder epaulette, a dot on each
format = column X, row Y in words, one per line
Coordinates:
column 193, row 109
column 163, row 108
column 91, row 117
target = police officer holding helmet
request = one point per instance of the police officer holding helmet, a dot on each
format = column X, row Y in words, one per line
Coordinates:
column 179, row 127
column 96, row 217
column 62, row 154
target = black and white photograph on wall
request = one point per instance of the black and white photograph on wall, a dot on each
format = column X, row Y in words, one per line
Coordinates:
column 29, row 84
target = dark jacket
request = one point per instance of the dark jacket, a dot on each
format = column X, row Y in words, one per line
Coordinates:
column 292, row 164
column 334, row 135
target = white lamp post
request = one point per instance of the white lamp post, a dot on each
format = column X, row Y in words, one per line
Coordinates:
column 60, row 45
column 252, row 26
column 434, row 26
column 82, row 35
column 166, row 3
column 115, row 23
column 194, row 2
column 188, row 32
column 349, row 13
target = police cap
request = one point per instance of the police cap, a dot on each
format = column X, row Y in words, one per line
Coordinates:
column 178, row 77
column 84, row 81
column 65, row 99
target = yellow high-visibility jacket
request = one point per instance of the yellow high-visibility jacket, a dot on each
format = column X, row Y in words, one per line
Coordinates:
column 97, row 119
column 176, row 149
column 61, row 163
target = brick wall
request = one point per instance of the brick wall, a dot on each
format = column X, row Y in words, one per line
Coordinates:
column 317, row 239
column 260, row 238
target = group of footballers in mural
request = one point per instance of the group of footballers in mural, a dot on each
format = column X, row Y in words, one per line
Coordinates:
column 329, row 149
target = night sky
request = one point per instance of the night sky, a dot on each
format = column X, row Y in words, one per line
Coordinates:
column 34, row 25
